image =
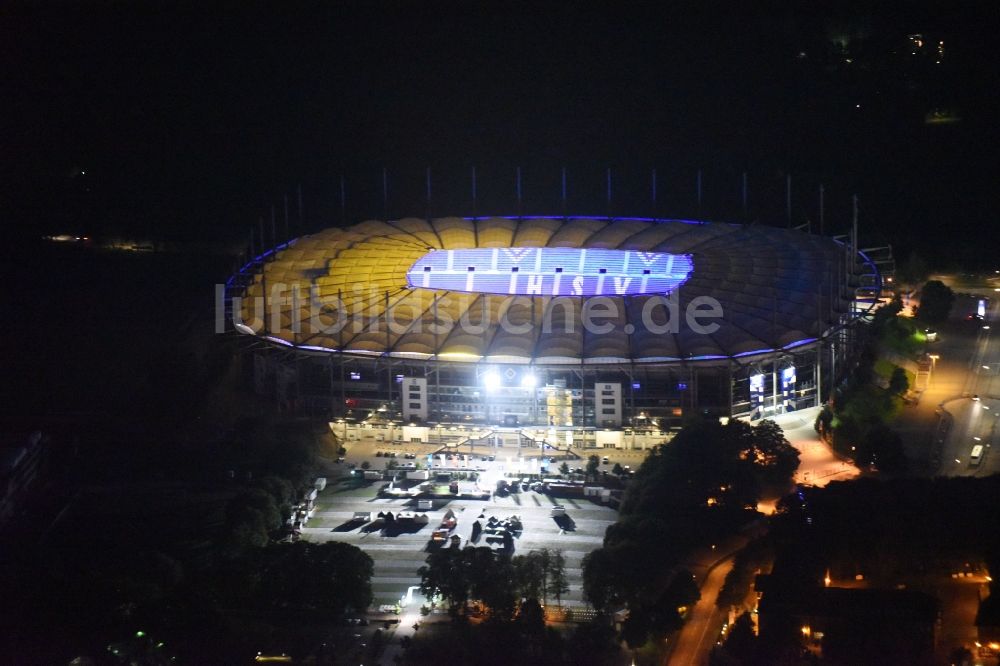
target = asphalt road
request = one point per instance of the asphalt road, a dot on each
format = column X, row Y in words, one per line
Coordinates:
column 968, row 367
column 698, row 636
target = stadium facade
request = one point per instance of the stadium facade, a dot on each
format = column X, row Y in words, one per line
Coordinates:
column 576, row 324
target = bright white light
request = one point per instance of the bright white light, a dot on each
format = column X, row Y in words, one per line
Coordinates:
column 528, row 381
column 491, row 381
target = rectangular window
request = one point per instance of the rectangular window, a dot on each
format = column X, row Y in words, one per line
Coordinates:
column 608, row 401
column 608, row 410
column 414, row 405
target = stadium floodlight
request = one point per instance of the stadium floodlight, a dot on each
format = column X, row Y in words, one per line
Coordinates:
column 491, row 380
column 528, row 380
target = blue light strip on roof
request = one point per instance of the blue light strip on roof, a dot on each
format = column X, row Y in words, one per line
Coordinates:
column 799, row 343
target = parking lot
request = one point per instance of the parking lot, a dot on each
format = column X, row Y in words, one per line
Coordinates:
column 399, row 552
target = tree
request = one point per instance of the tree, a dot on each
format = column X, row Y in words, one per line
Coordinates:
column 531, row 619
column 775, row 458
column 593, row 464
column 599, row 579
column 491, row 578
column 747, row 562
column 741, row 640
column 635, row 629
column 558, row 584
column 823, row 420
column 446, row 575
column 882, row 447
column 592, row 644
column 528, row 574
column 280, row 489
column 544, row 557
column 898, row 382
column 250, row 517
column 664, row 613
column 328, row 578
column 366, row 465
column 936, row 300
column 618, row 470
column 564, row 468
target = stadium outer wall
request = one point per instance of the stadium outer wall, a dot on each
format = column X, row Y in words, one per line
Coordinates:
column 585, row 405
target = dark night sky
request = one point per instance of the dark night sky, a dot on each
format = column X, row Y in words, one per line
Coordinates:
column 190, row 122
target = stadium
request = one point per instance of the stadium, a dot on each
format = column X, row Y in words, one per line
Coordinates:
column 599, row 331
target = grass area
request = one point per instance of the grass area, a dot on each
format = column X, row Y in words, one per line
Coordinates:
column 904, row 336
column 884, row 368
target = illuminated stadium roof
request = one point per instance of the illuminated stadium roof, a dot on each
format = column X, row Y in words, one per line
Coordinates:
column 446, row 284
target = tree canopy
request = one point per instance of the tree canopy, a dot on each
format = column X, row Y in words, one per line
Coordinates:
column 701, row 486
column 499, row 581
column 936, row 300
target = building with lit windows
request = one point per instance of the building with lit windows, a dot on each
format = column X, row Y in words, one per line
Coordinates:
column 580, row 325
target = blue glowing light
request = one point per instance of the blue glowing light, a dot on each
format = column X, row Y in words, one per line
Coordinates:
column 546, row 271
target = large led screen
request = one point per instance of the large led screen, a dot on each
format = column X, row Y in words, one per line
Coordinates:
column 549, row 271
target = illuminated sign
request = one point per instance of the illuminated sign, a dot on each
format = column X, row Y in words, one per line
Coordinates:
column 548, row 271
